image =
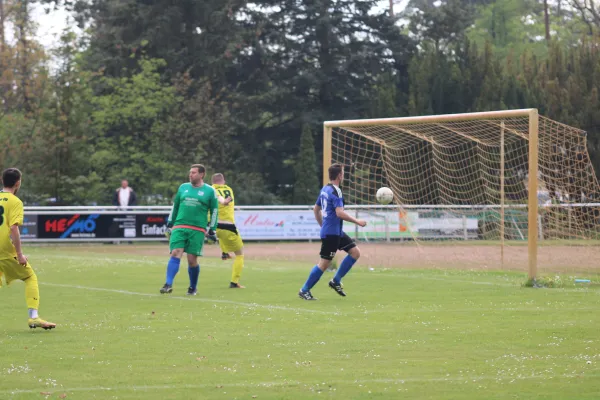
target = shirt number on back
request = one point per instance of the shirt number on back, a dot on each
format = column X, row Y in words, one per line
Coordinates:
column 324, row 207
column 1, row 215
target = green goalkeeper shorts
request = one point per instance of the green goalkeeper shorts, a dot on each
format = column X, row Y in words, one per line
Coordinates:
column 190, row 240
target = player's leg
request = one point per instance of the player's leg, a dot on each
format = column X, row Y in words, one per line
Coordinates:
column 194, row 274
column 32, row 297
column 329, row 247
column 347, row 245
column 193, row 249
column 176, row 246
column 236, row 271
column 224, row 254
column 12, row 270
column 231, row 242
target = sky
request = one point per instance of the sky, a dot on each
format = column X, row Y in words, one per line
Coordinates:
column 50, row 25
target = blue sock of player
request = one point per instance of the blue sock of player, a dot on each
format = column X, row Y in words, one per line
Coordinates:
column 194, row 273
column 172, row 269
column 344, row 268
column 313, row 278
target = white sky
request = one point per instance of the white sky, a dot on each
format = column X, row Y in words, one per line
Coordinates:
column 51, row 25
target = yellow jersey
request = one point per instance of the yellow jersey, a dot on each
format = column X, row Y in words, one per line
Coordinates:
column 225, row 211
column 11, row 213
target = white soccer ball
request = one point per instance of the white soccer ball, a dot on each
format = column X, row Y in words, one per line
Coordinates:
column 385, row 195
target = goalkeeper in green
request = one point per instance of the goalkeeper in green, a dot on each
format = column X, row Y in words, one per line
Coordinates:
column 188, row 224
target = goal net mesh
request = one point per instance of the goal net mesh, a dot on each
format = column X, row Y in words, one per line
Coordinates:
column 448, row 190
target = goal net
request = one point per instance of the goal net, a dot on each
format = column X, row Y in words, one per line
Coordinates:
column 506, row 189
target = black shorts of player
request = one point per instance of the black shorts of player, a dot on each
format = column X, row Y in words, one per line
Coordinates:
column 331, row 244
column 228, row 227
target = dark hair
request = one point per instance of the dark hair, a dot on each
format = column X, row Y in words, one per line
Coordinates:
column 334, row 171
column 10, row 177
column 200, row 167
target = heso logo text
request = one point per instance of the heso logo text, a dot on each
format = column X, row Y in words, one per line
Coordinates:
column 74, row 226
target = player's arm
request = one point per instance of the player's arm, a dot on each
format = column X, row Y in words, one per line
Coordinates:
column 211, row 236
column 214, row 212
column 174, row 210
column 15, row 221
column 318, row 214
column 16, row 240
column 224, row 200
column 343, row 215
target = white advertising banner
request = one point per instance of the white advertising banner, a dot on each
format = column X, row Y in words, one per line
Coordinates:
column 301, row 225
column 277, row 225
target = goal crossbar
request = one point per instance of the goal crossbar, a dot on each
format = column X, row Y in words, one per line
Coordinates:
column 526, row 112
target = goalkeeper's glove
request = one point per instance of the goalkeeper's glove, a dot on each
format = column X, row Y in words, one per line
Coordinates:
column 168, row 230
column 211, row 236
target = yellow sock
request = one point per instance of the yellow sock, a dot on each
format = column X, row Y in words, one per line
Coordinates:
column 238, row 265
column 32, row 292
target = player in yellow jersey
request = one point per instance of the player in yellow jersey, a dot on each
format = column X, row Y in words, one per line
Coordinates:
column 13, row 264
column 229, row 237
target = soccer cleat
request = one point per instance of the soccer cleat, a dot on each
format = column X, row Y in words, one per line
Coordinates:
column 233, row 285
column 40, row 323
column 225, row 256
column 337, row 287
column 191, row 291
column 166, row 289
column 306, row 295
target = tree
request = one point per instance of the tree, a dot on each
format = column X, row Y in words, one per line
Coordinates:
column 305, row 170
column 443, row 23
column 306, row 62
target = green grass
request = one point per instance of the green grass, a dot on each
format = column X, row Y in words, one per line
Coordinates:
column 400, row 334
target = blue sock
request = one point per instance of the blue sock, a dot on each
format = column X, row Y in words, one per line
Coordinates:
column 194, row 273
column 344, row 268
column 172, row 269
column 313, row 278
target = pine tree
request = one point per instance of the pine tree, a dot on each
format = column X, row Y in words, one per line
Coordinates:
column 305, row 168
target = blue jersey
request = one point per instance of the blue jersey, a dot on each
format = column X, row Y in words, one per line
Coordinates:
column 329, row 199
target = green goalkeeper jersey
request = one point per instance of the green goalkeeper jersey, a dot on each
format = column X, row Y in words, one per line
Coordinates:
column 192, row 206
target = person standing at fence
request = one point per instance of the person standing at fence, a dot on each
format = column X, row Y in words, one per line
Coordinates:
column 124, row 196
column 330, row 214
column 229, row 237
column 13, row 264
column 188, row 224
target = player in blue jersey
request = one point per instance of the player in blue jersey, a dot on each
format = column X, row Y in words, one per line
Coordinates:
column 330, row 214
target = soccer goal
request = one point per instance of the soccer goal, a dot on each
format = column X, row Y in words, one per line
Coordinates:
column 502, row 189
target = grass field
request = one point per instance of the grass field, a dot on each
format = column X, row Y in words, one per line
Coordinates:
column 400, row 334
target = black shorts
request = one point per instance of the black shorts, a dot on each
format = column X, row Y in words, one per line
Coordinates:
column 228, row 227
column 331, row 244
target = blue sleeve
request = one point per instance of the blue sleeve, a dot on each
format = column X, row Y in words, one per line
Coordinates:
column 338, row 202
column 318, row 202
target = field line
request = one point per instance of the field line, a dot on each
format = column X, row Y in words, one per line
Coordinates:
column 466, row 379
column 190, row 298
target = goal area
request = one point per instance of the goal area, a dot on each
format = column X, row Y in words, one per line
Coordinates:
column 490, row 190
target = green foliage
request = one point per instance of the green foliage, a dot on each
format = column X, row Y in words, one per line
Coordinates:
column 442, row 23
column 237, row 86
column 133, row 103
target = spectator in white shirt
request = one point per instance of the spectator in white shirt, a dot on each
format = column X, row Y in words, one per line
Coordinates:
column 124, row 196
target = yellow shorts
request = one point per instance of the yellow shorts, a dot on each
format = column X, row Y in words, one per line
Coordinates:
column 229, row 241
column 12, row 270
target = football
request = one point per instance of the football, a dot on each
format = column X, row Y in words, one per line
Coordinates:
column 384, row 195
